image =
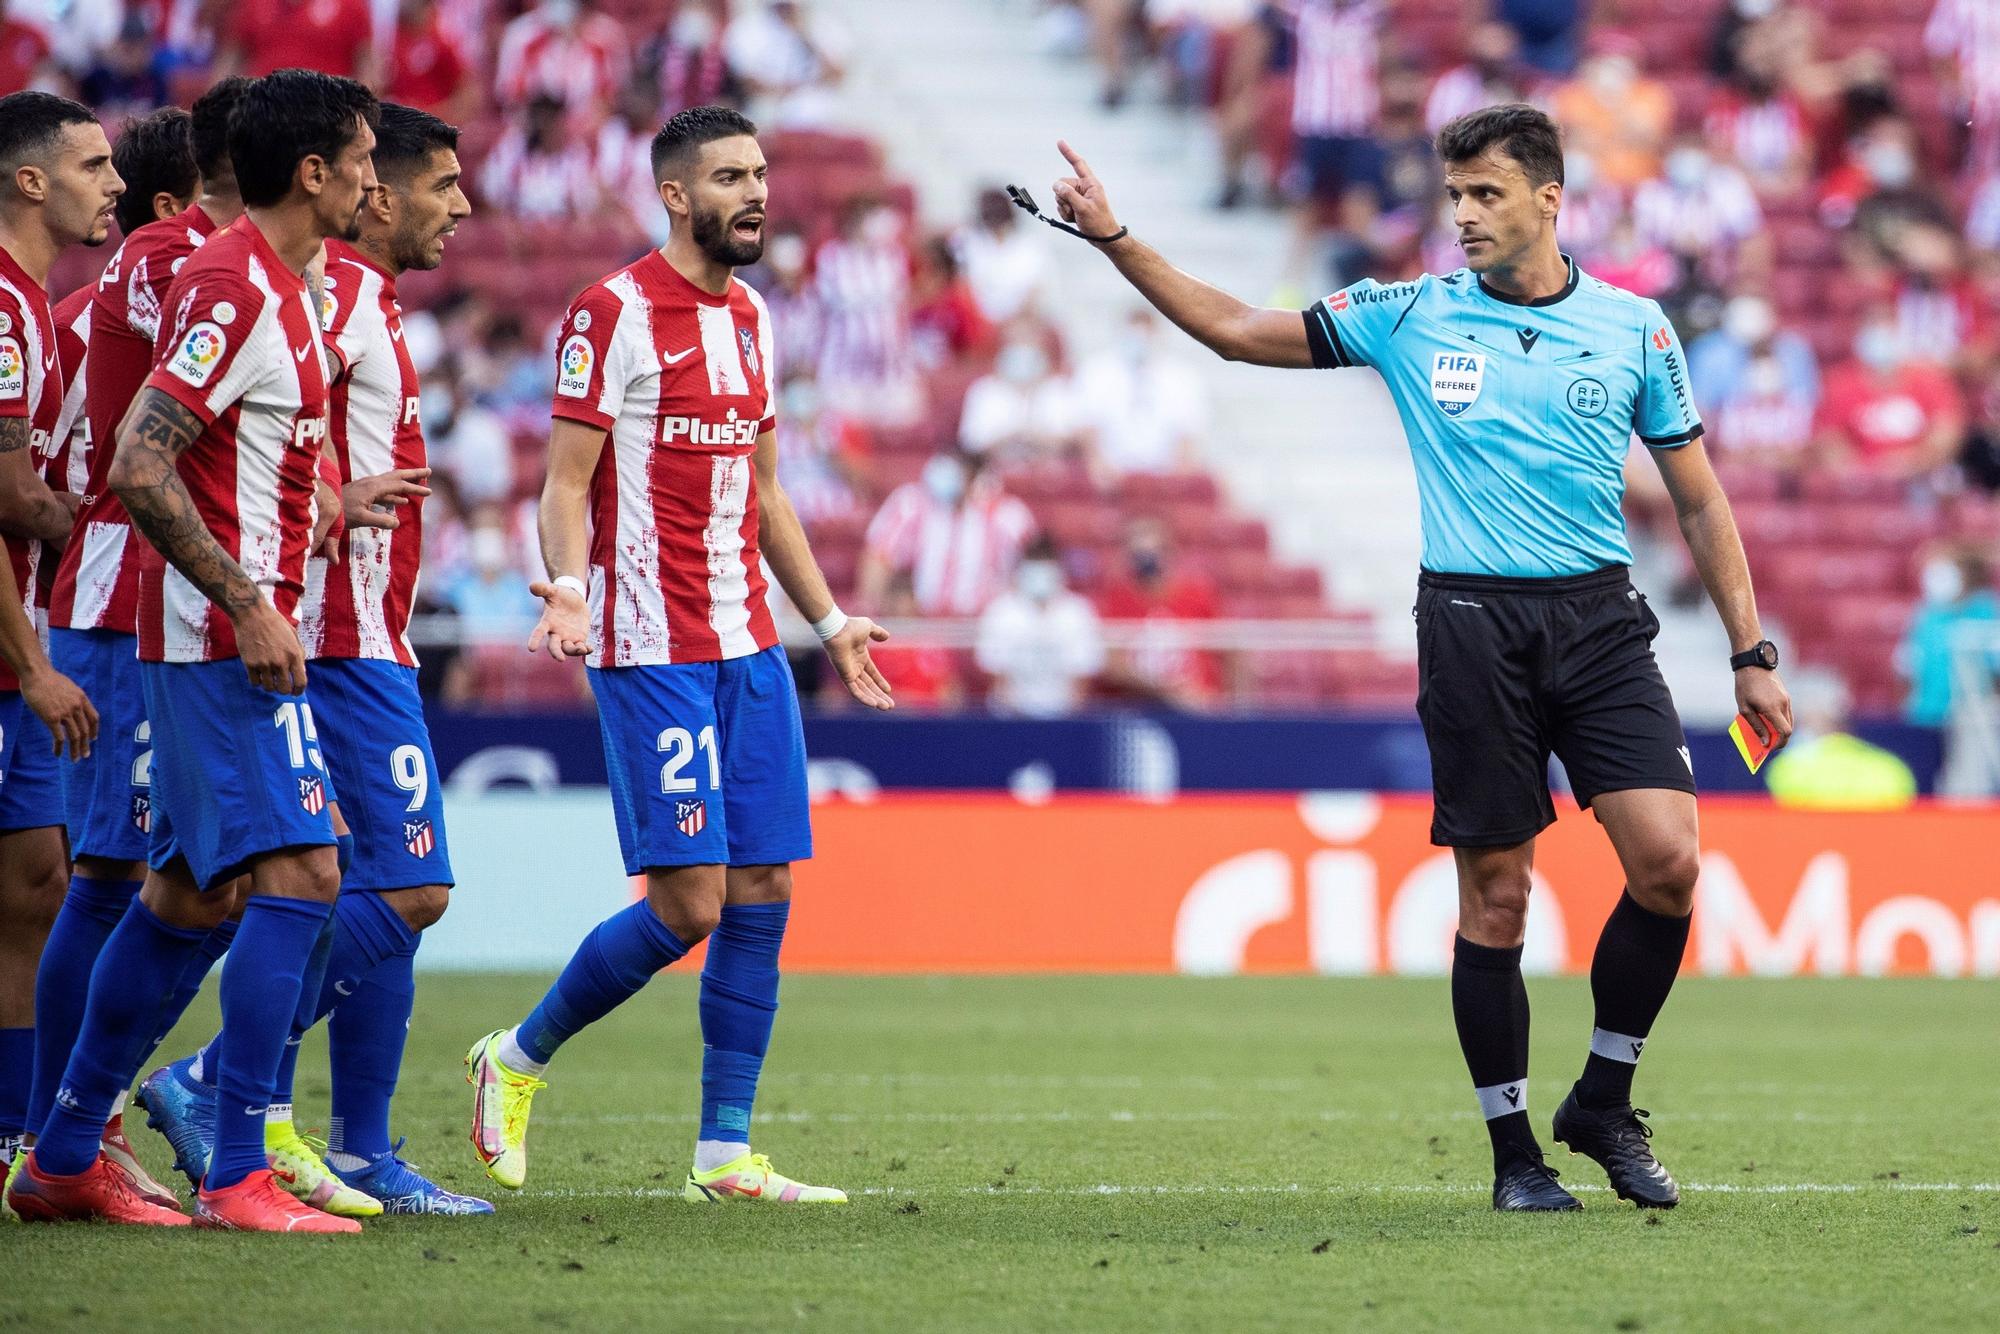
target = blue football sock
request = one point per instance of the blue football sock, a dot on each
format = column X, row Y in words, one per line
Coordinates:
column 365, row 1036
column 134, row 976
column 614, row 961
column 739, row 1001
column 305, row 1015
column 191, row 985
column 17, row 1063
column 90, row 912
column 260, row 995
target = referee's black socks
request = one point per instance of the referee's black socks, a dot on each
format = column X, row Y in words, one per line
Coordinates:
column 1489, row 1002
column 1637, row 959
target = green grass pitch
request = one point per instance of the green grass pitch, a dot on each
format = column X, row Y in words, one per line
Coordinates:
column 1138, row 1154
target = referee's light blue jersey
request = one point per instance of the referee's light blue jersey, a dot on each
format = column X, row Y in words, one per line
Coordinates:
column 1520, row 415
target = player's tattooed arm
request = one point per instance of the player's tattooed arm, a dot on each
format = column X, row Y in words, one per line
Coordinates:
column 782, row 538
column 28, row 507
column 151, row 439
column 153, row 435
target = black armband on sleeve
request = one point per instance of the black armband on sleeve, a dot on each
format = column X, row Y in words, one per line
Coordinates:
column 1323, row 339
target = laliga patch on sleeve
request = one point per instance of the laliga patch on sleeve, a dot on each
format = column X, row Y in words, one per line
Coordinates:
column 13, row 370
column 199, row 353
column 573, row 375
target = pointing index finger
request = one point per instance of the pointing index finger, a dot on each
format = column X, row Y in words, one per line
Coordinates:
column 1075, row 159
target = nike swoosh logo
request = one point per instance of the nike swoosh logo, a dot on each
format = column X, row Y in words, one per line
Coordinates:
column 397, row 333
column 49, row 362
column 342, row 989
column 299, row 354
column 676, row 358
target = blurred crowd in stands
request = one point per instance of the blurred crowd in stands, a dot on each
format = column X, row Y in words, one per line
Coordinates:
column 1811, row 189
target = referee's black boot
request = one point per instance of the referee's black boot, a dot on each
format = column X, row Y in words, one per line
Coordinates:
column 1527, row 1184
column 1615, row 1139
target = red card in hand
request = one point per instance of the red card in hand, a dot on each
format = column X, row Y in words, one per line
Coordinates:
column 1753, row 751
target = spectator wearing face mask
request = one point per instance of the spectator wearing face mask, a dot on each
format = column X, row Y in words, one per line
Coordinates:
column 1005, row 261
column 539, row 171
column 862, row 281
column 1144, row 408
column 789, row 62
column 1942, row 315
column 491, row 595
column 823, row 458
column 1887, row 414
column 1038, row 642
column 1152, row 592
column 1025, row 409
column 1956, row 590
column 1877, row 189
column 1703, row 211
column 565, row 50
column 946, row 323
column 1759, row 384
column 954, row 531
column 1614, row 112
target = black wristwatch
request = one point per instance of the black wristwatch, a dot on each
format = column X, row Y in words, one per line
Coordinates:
column 1763, row 654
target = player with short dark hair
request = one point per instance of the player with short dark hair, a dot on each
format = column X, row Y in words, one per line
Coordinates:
column 154, row 156
column 354, row 624
column 57, row 189
column 92, row 608
column 217, row 464
column 661, row 504
column 1520, row 381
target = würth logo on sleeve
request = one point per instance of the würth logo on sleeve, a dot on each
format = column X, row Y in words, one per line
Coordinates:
column 312, row 795
column 691, row 816
column 1662, row 339
column 1337, row 302
column 418, row 837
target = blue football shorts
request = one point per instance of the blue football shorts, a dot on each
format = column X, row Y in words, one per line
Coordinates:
column 31, row 778
column 378, row 750
column 108, row 796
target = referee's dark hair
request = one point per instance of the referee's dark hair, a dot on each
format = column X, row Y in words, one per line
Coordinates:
column 31, row 124
column 155, row 155
column 286, row 117
column 212, row 111
column 405, row 138
column 686, row 131
column 1522, row 132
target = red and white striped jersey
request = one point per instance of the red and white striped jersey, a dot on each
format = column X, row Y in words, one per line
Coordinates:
column 359, row 606
column 582, row 64
column 97, row 584
column 960, row 555
column 683, row 381
column 31, row 389
column 1336, row 89
column 243, row 353
column 66, row 454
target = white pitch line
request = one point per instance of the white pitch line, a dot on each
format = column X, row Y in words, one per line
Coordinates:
column 1126, row 1117
column 1440, row 1188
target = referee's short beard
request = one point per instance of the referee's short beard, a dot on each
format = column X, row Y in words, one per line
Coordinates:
column 717, row 237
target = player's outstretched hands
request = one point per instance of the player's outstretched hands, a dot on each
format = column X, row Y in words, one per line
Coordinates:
column 68, row 713
column 372, row 502
column 1081, row 199
column 1762, row 698
column 849, row 651
column 565, row 625
column 269, row 647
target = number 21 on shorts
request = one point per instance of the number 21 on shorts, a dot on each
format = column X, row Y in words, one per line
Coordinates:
column 679, row 746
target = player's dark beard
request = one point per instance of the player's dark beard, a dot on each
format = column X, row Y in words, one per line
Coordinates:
column 712, row 233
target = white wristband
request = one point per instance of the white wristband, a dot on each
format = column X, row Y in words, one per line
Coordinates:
column 831, row 624
column 573, row 584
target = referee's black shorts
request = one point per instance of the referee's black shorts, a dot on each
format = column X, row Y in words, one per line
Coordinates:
column 1509, row 670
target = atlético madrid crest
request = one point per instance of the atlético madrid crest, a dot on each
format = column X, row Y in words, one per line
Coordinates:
column 312, row 795
column 142, row 812
column 418, row 837
column 691, row 816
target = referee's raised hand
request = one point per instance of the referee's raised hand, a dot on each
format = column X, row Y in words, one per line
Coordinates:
column 1765, row 704
column 1080, row 199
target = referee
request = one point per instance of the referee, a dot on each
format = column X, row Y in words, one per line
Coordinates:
column 1521, row 381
